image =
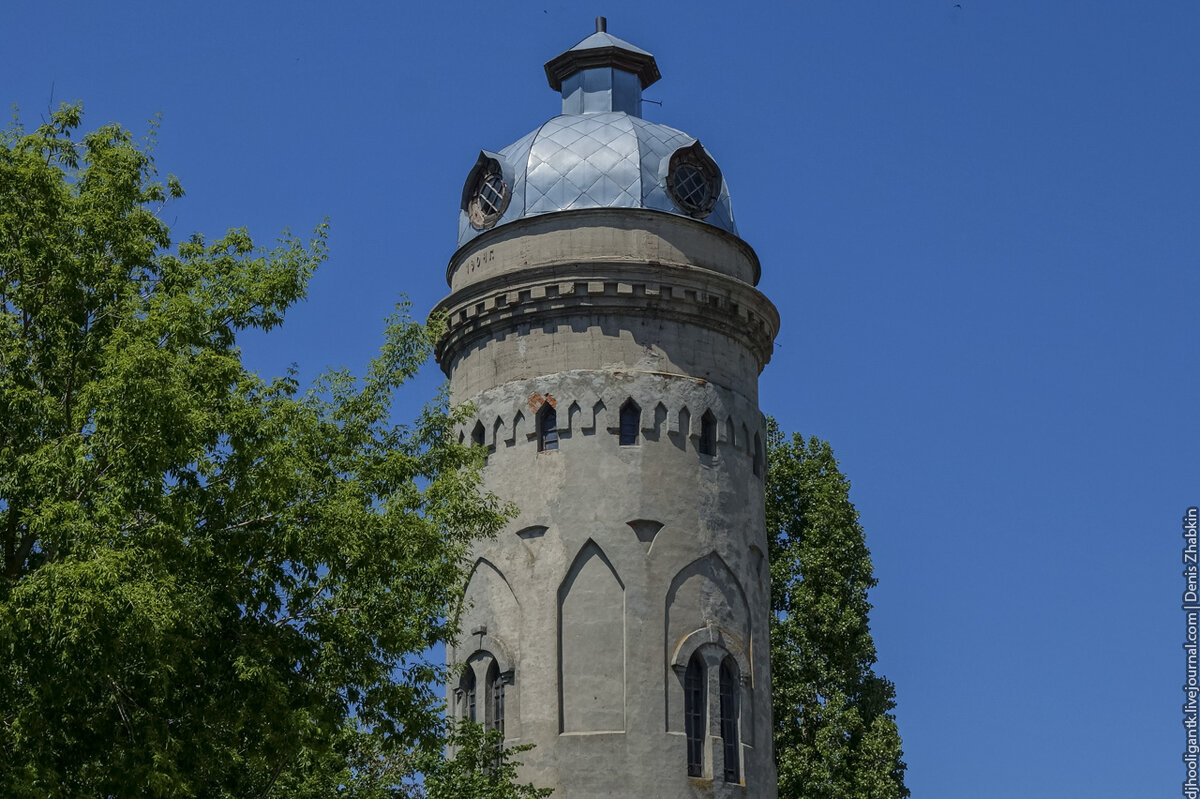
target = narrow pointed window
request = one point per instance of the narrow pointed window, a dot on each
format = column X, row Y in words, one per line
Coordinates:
column 495, row 698
column 708, row 434
column 693, row 715
column 467, row 686
column 729, row 721
column 477, row 434
column 631, row 420
column 547, row 428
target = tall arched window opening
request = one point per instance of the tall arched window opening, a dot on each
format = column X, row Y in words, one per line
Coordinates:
column 729, row 720
column 467, row 686
column 631, row 420
column 708, row 434
column 547, row 428
column 477, row 434
column 693, row 715
column 495, row 698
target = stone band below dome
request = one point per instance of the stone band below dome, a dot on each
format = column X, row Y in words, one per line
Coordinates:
column 701, row 323
column 598, row 234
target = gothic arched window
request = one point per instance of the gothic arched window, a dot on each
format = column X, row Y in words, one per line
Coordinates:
column 495, row 683
column 631, row 420
column 547, row 428
column 694, row 702
column 466, row 685
column 729, row 720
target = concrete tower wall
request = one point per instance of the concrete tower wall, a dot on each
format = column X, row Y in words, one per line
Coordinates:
column 625, row 560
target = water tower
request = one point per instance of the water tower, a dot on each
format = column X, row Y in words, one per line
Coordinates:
column 604, row 323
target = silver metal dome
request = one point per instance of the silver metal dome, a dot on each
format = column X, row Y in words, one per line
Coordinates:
column 598, row 154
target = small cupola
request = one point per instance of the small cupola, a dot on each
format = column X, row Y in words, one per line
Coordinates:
column 602, row 73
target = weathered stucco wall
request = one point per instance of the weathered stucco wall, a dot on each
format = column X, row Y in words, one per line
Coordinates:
column 625, row 560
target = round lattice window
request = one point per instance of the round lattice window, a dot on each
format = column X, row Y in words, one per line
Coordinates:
column 694, row 181
column 489, row 197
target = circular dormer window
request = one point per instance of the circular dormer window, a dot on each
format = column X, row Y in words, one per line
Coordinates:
column 489, row 196
column 694, row 181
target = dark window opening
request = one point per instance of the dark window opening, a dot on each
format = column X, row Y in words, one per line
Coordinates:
column 729, row 722
column 467, row 686
column 496, row 697
column 477, row 434
column 708, row 434
column 693, row 715
column 547, row 428
column 631, row 420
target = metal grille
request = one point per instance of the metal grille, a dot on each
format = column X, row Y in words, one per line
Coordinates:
column 693, row 716
column 491, row 194
column 690, row 186
column 694, row 181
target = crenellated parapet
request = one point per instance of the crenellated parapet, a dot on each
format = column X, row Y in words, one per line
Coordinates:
column 672, row 408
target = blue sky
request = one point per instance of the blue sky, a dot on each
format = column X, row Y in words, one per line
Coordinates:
column 977, row 219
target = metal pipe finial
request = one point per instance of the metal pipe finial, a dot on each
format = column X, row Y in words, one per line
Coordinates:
column 601, row 24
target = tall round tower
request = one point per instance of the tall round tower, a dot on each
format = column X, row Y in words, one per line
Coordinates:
column 604, row 324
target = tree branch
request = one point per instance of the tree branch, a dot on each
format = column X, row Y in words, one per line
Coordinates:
column 10, row 544
column 22, row 554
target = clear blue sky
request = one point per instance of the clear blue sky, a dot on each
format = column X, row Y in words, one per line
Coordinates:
column 979, row 224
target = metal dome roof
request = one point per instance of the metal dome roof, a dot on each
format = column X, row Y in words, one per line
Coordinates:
column 599, row 153
column 600, row 160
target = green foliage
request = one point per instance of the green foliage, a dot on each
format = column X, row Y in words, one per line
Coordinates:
column 835, row 736
column 478, row 767
column 212, row 585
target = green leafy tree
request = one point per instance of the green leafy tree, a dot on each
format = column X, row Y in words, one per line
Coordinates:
column 477, row 766
column 835, row 736
column 212, row 584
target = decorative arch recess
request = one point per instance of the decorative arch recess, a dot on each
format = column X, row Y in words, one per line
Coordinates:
column 491, row 615
column 706, row 595
column 591, row 645
column 707, row 616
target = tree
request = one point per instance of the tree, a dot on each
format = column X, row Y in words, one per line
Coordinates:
column 213, row 584
column 835, row 736
column 478, row 765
